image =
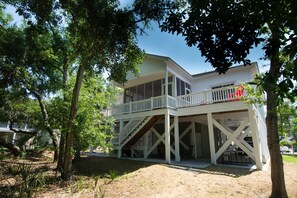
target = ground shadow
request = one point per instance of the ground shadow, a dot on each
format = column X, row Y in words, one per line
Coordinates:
column 94, row 166
column 229, row 171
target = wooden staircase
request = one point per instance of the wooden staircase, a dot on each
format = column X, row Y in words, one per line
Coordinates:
column 142, row 128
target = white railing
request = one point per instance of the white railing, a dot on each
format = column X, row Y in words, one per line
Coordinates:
column 231, row 93
column 171, row 102
column 224, row 94
column 130, row 126
column 16, row 126
column 144, row 105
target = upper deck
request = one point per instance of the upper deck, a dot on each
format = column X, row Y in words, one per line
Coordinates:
column 220, row 99
column 164, row 84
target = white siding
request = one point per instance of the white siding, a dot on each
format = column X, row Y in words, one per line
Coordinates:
column 234, row 76
column 148, row 66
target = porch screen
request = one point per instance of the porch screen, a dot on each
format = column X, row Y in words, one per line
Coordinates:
column 143, row 91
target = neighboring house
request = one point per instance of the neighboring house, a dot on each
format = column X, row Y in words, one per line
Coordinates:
column 6, row 133
column 11, row 136
column 166, row 113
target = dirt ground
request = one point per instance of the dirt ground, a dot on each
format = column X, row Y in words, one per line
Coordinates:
column 107, row 177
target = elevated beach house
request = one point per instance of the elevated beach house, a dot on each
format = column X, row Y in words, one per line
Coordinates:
column 167, row 113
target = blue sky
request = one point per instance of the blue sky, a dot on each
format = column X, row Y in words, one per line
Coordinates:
column 173, row 46
column 165, row 44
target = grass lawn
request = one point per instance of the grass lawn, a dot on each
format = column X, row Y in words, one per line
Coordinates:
column 290, row 159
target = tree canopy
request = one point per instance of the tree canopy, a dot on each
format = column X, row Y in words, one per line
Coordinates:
column 68, row 39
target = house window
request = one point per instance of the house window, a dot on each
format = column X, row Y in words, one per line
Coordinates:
column 170, row 79
column 182, row 87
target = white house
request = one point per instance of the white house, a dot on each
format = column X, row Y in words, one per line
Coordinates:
column 167, row 113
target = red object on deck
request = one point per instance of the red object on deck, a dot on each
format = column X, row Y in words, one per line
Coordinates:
column 238, row 94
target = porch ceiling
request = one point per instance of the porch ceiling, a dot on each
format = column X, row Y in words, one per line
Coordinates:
column 143, row 79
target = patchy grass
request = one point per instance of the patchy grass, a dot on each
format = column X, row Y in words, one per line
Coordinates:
column 290, row 159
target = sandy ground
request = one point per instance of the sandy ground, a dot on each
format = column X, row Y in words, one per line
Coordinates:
column 139, row 179
column 161, row 181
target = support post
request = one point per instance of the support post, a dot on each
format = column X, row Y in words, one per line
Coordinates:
column 194, row 139
column 120, row 138
column 176, row 139
column 167, row 137
column 145, row 152
column 256, row 141
column 174, row 93
column 119, row 152
column 13, row 138
column 211, row 139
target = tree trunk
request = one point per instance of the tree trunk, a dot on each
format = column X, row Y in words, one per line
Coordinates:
column 65, row 99
column 68, row 155
column 13, row 149
column 277, row 170
column 47, row 125
column 61, row 152
column 28, row 143
column 77, row 153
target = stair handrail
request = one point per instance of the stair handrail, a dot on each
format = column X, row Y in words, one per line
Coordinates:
column 127, row 129
column 139, row 125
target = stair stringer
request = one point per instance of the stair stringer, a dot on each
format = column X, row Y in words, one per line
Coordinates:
column 141, row 131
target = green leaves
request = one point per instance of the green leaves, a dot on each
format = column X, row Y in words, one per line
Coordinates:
column 287, row 123
column 92, row 127
column 223, row 31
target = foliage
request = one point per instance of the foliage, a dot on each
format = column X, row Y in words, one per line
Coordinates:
column 254, row 93
column 30, row 72
column 285, row 143
column 93, row 129
column 113, row 174
column 225, row 31
column 290, row 159
column 98, row 190
column 28, row 181
column 54, row 43
column 287, row 120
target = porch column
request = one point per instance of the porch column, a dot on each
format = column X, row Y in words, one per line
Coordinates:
column 145, row 153
column 176, row 139
column 166, row 87
column 174, row 93
column 167, row 137
column 194, row 139
column 13, row 138
column 119, row 152
column 256, row 139
column 120, row 138
column 211, row 139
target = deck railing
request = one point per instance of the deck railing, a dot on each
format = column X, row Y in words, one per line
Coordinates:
column 224, row 94
column 230, row 93
column 144, row 105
